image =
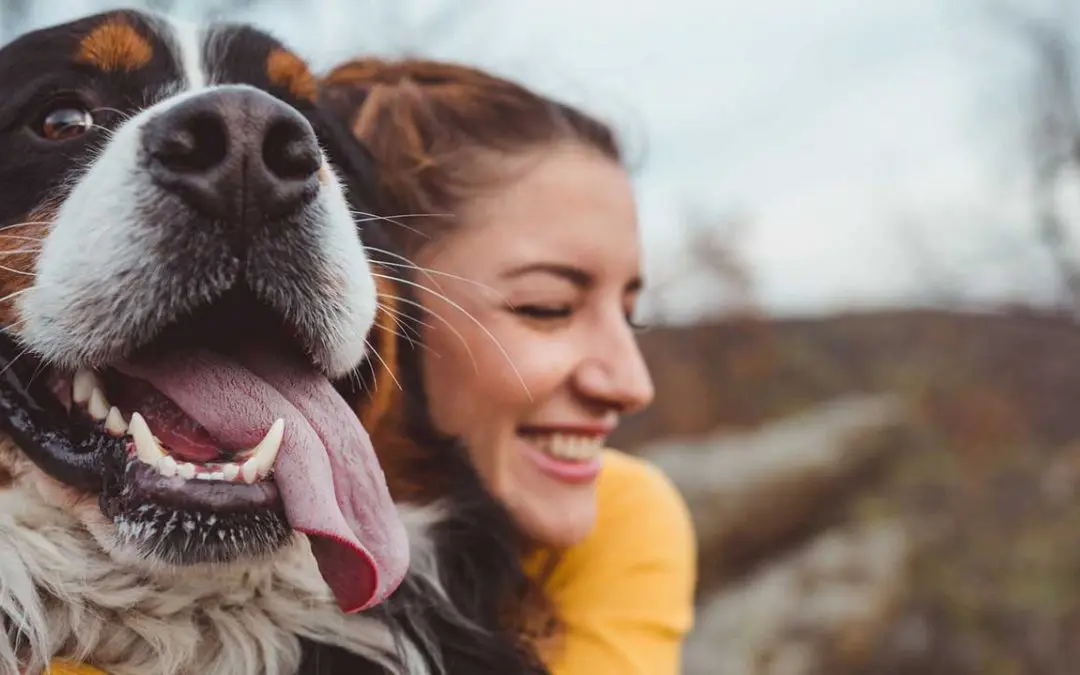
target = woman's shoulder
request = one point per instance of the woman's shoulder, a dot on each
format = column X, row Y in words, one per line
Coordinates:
column 640, row 561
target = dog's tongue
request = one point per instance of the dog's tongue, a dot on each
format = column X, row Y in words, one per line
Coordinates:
column 329, row 478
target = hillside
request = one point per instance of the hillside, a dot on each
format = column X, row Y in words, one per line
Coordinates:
column 985, row 478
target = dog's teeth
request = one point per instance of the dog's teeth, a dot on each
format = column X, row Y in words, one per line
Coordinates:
column 114, row 422
column 82, row 388
column 167, row 466
column 264, row 454
column 146, row 448
column 98, row 405
column 250, row 471
column 229, row 472
column 186, row 470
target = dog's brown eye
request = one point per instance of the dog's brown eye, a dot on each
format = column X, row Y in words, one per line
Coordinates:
column 63, row 123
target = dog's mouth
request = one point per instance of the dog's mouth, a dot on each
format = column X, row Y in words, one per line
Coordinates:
column 172, row 458
column 217, row 440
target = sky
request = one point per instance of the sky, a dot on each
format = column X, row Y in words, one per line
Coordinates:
column 867, row 153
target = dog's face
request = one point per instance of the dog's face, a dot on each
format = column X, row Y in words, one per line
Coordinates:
column 184, row 284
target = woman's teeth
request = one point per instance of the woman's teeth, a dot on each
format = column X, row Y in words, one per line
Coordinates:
column 257, row 463
column 570, row 446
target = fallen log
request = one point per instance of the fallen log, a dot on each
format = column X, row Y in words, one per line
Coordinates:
column 820, row 609
column 747, row 492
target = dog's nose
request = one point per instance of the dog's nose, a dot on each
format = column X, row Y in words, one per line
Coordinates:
column 234, row 152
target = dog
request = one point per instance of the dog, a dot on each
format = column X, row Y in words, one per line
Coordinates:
column 187, row 483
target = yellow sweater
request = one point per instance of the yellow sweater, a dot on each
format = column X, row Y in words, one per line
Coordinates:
column 625, row 594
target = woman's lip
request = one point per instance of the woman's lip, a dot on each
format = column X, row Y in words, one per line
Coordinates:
column 573, row 472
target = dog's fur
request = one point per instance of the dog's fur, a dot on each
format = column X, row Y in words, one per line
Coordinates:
column 78, row 284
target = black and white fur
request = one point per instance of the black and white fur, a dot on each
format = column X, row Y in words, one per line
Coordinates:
column 70, row 587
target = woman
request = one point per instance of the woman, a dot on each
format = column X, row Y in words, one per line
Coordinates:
column 530, row 271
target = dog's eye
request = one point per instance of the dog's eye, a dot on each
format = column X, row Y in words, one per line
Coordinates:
column 64, row 122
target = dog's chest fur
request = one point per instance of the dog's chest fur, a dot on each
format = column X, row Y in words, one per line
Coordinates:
column 62, row 595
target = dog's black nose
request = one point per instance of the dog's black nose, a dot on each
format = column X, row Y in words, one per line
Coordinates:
column 234, row 152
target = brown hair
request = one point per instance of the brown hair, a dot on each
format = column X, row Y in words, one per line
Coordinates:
column 431, row 124
column 431, row 127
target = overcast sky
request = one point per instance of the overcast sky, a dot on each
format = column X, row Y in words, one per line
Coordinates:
column 871, row 147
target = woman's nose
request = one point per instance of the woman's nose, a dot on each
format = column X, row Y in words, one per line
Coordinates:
column 616, row 374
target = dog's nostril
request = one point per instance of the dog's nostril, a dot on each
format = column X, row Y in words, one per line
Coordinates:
column 200, row 143
column 234, row 153
column 289, row 151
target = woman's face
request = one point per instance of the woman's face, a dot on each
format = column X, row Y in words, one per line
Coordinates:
column 531, row 356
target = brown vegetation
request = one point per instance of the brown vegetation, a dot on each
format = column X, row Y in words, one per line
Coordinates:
column 985, row 479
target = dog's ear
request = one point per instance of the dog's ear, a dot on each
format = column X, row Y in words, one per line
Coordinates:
column 354, row 164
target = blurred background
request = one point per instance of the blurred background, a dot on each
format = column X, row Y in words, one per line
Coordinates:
column 862, row 234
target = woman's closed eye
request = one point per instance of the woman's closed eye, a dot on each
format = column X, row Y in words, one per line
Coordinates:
column 561, row 312
column 540, row 312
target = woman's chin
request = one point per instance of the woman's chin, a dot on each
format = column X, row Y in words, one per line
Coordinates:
column 557, row 523
column 553, row 499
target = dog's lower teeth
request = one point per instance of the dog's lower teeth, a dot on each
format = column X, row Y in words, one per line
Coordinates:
column 264, row 454
column 167, row 466
column 148, row 450
column 146, row 447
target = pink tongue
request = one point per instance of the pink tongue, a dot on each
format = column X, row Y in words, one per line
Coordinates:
column 329, row 478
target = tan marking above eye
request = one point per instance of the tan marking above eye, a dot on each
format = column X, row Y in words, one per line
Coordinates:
column 287, row 70
column 115, row 45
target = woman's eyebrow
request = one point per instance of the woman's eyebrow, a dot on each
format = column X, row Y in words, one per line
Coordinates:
column 575, row 275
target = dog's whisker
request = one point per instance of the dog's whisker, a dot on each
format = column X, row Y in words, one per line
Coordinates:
column 416, row 339
column 109, row 133
column 18, row 356
column 37, row 371
column 412, row 336
column 123, row 115
column 427, row 271
column 371, row 368
column 15, row 271
column 399, row 329
column 453, row 329
column 15, row 294
column 371, row 217
column 25, row 223
column 405, row 316
column 356, row 381
column 389, row 370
